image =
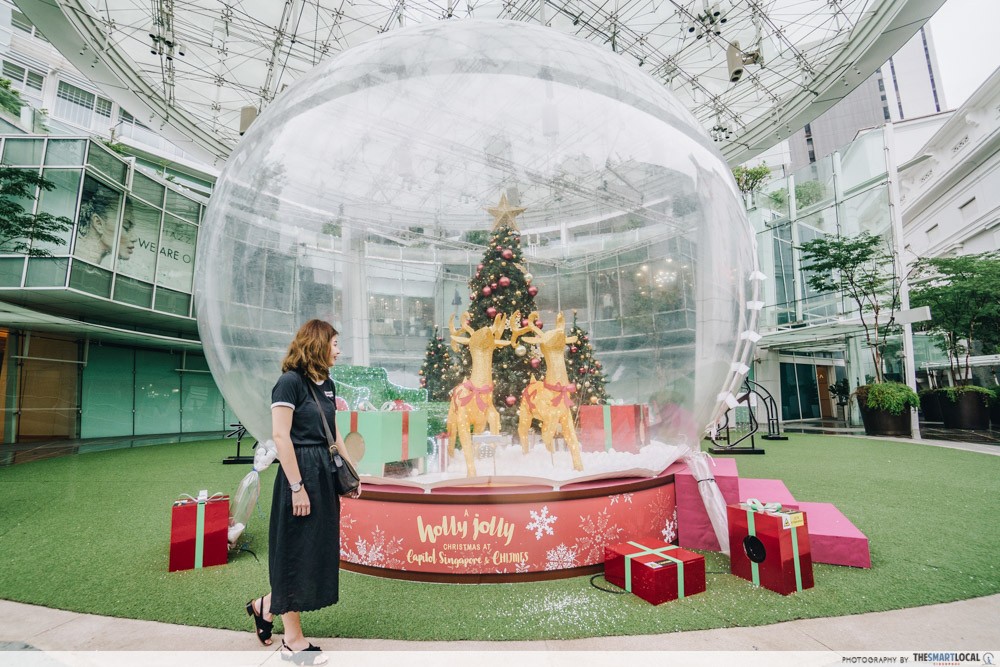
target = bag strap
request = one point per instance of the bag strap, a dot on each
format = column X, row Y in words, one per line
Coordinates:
column 330, row 440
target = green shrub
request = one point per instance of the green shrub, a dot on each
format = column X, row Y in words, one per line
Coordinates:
column 893, row 397
column 954, row 393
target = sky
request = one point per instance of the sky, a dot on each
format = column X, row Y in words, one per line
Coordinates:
column 965, row 34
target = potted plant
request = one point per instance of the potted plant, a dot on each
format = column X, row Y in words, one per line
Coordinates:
column 995, row 408
column 885, row 407
column 963, row 294
column 930, row 404
column 966, row 406
column 841, row 391
column 863, row 268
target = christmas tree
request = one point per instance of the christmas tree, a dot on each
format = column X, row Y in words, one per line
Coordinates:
column 502, row 285
column 438, row 374
column 584, row 370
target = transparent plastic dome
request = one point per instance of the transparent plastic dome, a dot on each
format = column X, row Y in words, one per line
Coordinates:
column 358, row 196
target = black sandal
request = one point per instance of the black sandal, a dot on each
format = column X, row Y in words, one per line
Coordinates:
column 313, row 655
column 264, row 628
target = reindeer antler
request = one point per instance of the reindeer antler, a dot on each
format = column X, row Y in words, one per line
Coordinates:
column 518, row 331
column 515, row 327
column 456, row 340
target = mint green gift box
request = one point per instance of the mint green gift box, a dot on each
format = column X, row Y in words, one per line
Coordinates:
column 390, row 435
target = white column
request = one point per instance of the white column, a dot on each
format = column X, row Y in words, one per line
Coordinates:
column 896, row 220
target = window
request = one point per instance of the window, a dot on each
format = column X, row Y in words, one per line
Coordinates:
column 80, row 107
column 25, row 81
column 20, row 22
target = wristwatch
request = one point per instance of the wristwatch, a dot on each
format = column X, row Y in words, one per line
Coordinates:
column 296, row 487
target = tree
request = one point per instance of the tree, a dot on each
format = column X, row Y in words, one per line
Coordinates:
column 437, row 374
column 20, row 231
column 864, row 269
column 584, row 369
column 503, row 285
column 10, row 99
column 751, row 179
column 963, row 294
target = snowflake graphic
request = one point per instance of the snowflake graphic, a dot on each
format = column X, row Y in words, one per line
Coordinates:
column 521, row 567
column 346, row 527
column 378, row 552
column 623, row 497
column 599, row 532
column 560, row 558
column 669, row 531
column 541, row 522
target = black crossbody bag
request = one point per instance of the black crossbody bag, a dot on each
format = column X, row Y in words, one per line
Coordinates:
column 345, row 477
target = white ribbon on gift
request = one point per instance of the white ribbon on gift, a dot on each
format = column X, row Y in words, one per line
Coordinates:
column 203, row 496
column 758, row 506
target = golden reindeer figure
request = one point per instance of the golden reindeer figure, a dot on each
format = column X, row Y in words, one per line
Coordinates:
column 548, row 400
column 472, row 399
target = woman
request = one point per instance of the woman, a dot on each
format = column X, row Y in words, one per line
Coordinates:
column 304, row 538
column 97, row 223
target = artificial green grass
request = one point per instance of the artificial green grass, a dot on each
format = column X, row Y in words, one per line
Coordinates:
column 90, row 533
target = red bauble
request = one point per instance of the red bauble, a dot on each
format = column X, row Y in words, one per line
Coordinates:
column 493, row 285
column 532, row 290
column 499, row 248
column 583, row 370
column 538, row 323
column 574, row 349
column 536, row 362
column 510, row 401
column 487, row 291
column 491, row 312
column 480, row 267
column 504, row 281
column 472, row 296
column 524, row 321
column 507, row 254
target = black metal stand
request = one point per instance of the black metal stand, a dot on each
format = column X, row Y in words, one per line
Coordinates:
column 773, row 423
column 239, row 430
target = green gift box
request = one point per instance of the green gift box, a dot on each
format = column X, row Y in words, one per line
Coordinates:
column 390, row 435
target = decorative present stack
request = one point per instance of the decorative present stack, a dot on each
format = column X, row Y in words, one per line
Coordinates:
column 769, row 546
column 624, row 428
column 655, row 571
column 390, row 436
column 833, row 538
column 199, row 531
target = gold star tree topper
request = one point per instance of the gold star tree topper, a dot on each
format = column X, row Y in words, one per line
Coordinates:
column 504, row 214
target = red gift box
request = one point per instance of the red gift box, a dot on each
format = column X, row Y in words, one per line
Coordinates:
column 199, row 532
column 624, row 428
column 770, row 546
column 655, row 571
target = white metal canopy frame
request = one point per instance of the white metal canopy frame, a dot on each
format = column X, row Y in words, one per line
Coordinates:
column 186, row 68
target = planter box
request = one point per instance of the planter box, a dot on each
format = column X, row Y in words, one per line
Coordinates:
column 970, row 411
column 930, row 405
column 880, row 422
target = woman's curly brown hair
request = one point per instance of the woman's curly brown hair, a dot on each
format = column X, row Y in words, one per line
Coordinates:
column 309, row 352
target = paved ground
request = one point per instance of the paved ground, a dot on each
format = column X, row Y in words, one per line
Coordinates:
column 968, row 625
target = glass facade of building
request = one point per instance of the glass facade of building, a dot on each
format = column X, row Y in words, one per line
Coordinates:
column 126, row 264
column 843, row 194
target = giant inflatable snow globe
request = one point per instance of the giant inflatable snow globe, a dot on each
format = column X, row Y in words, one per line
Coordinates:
column 485, row 204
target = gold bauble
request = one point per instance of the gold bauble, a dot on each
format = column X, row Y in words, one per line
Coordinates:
column 527, row 278
column 520, row 350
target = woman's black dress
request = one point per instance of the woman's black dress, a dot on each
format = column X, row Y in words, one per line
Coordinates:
column 304, row 551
